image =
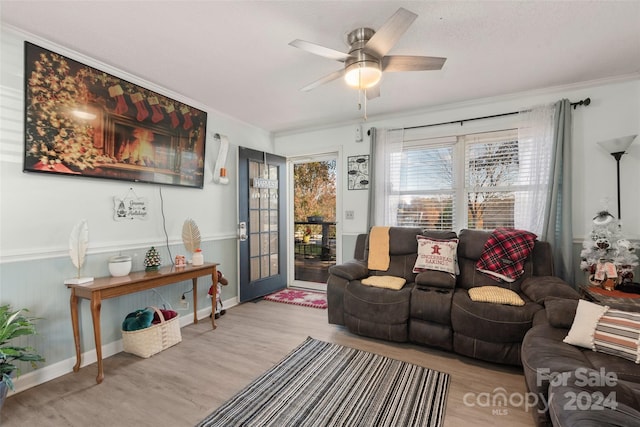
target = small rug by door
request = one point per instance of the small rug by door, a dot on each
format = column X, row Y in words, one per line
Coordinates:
column 299, row 297
column 325, row 384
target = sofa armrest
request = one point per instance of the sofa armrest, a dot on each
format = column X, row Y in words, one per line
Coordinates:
column 436, row 279
column 350, row 270
column 538, row 288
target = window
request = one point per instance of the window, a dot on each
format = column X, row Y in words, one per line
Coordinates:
column 423, row 185
column 477, row 181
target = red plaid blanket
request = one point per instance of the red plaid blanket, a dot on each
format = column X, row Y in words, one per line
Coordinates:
column 505, row 252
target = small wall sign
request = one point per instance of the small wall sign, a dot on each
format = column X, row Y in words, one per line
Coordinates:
column 264, row 183
column 130, row 207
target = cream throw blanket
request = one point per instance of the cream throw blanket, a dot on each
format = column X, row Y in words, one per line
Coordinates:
column 379, row 248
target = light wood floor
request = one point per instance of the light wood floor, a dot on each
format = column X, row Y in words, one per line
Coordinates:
column 183, row 384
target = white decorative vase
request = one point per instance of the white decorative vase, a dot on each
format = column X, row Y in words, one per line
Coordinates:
column 119, row 265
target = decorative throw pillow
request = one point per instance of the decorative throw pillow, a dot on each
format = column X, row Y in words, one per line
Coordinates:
column 618, row 333
column 495, row 294
column 436, row 254
column 139, row 319
column 167, row 314
column 387, row 282
column 504, row 254
column 584, row 324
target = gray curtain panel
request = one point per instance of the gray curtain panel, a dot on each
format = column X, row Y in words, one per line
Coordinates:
column 557, row 225
column 372, row 178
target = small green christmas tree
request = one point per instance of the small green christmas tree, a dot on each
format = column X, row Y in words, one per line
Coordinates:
column 152, row 260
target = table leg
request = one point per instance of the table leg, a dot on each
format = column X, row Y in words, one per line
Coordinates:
column 96, row 303
column 195, row 299
column 214, row 296
column 76, row 328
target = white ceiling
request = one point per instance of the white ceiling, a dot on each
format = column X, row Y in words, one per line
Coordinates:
column 234, row 56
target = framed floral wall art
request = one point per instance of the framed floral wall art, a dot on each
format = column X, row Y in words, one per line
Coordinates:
column 358, row 172
column 86, row 122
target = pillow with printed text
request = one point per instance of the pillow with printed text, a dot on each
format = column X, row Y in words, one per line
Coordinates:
column 436, row 254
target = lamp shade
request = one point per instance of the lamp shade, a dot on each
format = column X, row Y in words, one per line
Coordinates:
column 617, row 145
column 363, row 75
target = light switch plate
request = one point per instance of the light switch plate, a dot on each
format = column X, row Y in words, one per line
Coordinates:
column 349, row 215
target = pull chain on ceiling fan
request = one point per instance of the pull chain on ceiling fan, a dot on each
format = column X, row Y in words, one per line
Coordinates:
column 367, row 58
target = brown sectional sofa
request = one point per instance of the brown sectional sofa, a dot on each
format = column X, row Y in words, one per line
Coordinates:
column 434, row 309
column 578, row 379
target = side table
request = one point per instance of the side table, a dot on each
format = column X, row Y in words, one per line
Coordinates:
column 614, row 299
column 111, row 287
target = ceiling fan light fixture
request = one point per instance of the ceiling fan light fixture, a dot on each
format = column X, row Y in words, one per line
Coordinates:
column 363, row 75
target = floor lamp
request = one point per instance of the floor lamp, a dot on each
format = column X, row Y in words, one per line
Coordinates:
column 617, row 147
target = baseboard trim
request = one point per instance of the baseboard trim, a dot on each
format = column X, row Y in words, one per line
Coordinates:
column 51, row 372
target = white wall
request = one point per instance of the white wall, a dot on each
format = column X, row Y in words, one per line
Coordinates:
column 38, row 211
column 614, row 112
column 49, row 206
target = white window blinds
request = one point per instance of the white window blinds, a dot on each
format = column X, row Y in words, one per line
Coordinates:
column 478, row 181
column 422, row 184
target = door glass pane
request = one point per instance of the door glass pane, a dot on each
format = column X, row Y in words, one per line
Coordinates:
column 264, row 265
column 254, row 247
column 264, row 215
column 254, row 217
column 264, row 220
column 255, row 269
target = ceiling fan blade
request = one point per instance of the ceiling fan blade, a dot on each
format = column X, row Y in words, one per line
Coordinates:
column 325, row 79
column 390, row 32
column 316, row 49
column 412, row 63
column 373, row 92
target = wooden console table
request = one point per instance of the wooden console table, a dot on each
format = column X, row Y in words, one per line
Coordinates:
column 111, row 287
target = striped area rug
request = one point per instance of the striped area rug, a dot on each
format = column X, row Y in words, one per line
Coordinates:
column 325, row 384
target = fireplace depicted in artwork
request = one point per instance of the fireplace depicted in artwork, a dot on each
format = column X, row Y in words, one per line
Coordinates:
column 82, row 121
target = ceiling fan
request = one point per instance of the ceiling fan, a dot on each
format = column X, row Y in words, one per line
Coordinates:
column 367, row 58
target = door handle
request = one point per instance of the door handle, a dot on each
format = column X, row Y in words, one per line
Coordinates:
column 242, row 231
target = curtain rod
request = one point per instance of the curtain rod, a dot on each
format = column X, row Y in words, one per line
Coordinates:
column 584, row 102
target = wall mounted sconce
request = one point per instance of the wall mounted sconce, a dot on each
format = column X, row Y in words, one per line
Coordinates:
column 617, row 147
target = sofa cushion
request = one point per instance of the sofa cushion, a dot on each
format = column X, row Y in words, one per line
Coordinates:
column 472, row 243
column 381, row 306
column 437, row 279
column 470, row 277
column 491, row 322
column 402, row 240
column 377, row 312
column 470, row 248
column 599, row 402
column 560, row 311
column 623, row 368
column 496, row 295
column 386, row 282
column 537, row 288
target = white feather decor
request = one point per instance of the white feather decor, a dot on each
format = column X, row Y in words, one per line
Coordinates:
column 190, row 235
column 78, row 244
